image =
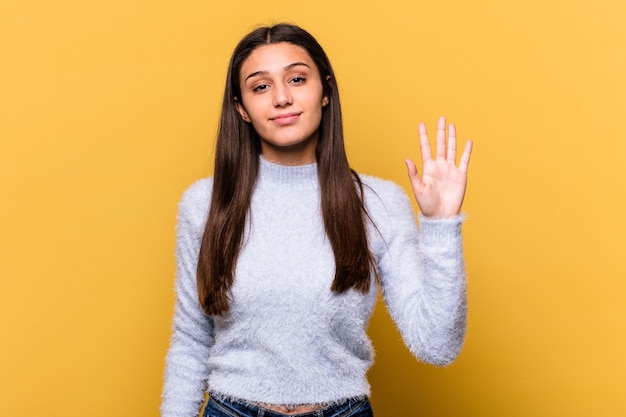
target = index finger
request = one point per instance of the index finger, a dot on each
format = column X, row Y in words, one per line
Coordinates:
column 424, row 143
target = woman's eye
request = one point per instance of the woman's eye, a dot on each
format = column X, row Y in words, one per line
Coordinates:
column 259, row 88
column 298, row 80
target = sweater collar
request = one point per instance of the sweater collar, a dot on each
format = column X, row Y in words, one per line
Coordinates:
column 287, row 176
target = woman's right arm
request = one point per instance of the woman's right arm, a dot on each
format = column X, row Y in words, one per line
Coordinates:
column 186, row 368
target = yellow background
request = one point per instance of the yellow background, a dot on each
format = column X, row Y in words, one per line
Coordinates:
column 108, row 112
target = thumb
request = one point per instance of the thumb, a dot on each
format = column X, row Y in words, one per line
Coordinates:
column 414, row 177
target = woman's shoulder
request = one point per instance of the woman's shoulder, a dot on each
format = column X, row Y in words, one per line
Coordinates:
column 195, row 200
column 199, row 189
column 388, row 207
column 383, row 190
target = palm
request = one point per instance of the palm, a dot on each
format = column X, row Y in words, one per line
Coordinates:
column 441, row 189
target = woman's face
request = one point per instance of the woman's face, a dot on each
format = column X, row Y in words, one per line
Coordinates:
column 282, row 96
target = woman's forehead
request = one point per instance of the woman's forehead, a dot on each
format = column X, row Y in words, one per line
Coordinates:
column 276, row 58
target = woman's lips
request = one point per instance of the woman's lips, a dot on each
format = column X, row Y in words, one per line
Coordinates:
column 285, row 119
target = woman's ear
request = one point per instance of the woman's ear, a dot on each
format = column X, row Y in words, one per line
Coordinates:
column 326, row 99
column 242, row 112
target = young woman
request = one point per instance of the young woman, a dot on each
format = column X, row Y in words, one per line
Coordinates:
column 280, row 253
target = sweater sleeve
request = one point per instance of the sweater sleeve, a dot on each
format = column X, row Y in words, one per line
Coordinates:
column 423, row 280
column 186, row 368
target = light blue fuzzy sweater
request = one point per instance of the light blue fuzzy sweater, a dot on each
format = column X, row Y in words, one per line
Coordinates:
column 287, row 338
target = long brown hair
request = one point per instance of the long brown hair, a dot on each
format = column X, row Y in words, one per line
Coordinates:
column 236, row 169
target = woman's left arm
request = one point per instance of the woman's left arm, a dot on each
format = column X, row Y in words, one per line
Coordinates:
column 423, row 272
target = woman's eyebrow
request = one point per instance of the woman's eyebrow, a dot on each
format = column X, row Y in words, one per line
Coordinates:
column 286, row 68
column 295, row 64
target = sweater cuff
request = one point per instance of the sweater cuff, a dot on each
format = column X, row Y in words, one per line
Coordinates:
column 441, row 230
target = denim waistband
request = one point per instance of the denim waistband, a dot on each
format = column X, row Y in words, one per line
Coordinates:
column 233, row 407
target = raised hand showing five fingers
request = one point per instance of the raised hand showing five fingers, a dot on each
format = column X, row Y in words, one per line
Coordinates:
column 441, row 189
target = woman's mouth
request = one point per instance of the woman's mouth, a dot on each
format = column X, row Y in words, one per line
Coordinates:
column 286, row 118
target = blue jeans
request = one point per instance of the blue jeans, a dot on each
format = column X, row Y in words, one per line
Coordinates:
column 225, row 408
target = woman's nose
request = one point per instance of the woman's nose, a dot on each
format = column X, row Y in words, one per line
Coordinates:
column 282, row 96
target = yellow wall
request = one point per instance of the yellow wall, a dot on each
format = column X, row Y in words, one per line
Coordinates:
column 108, row 111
